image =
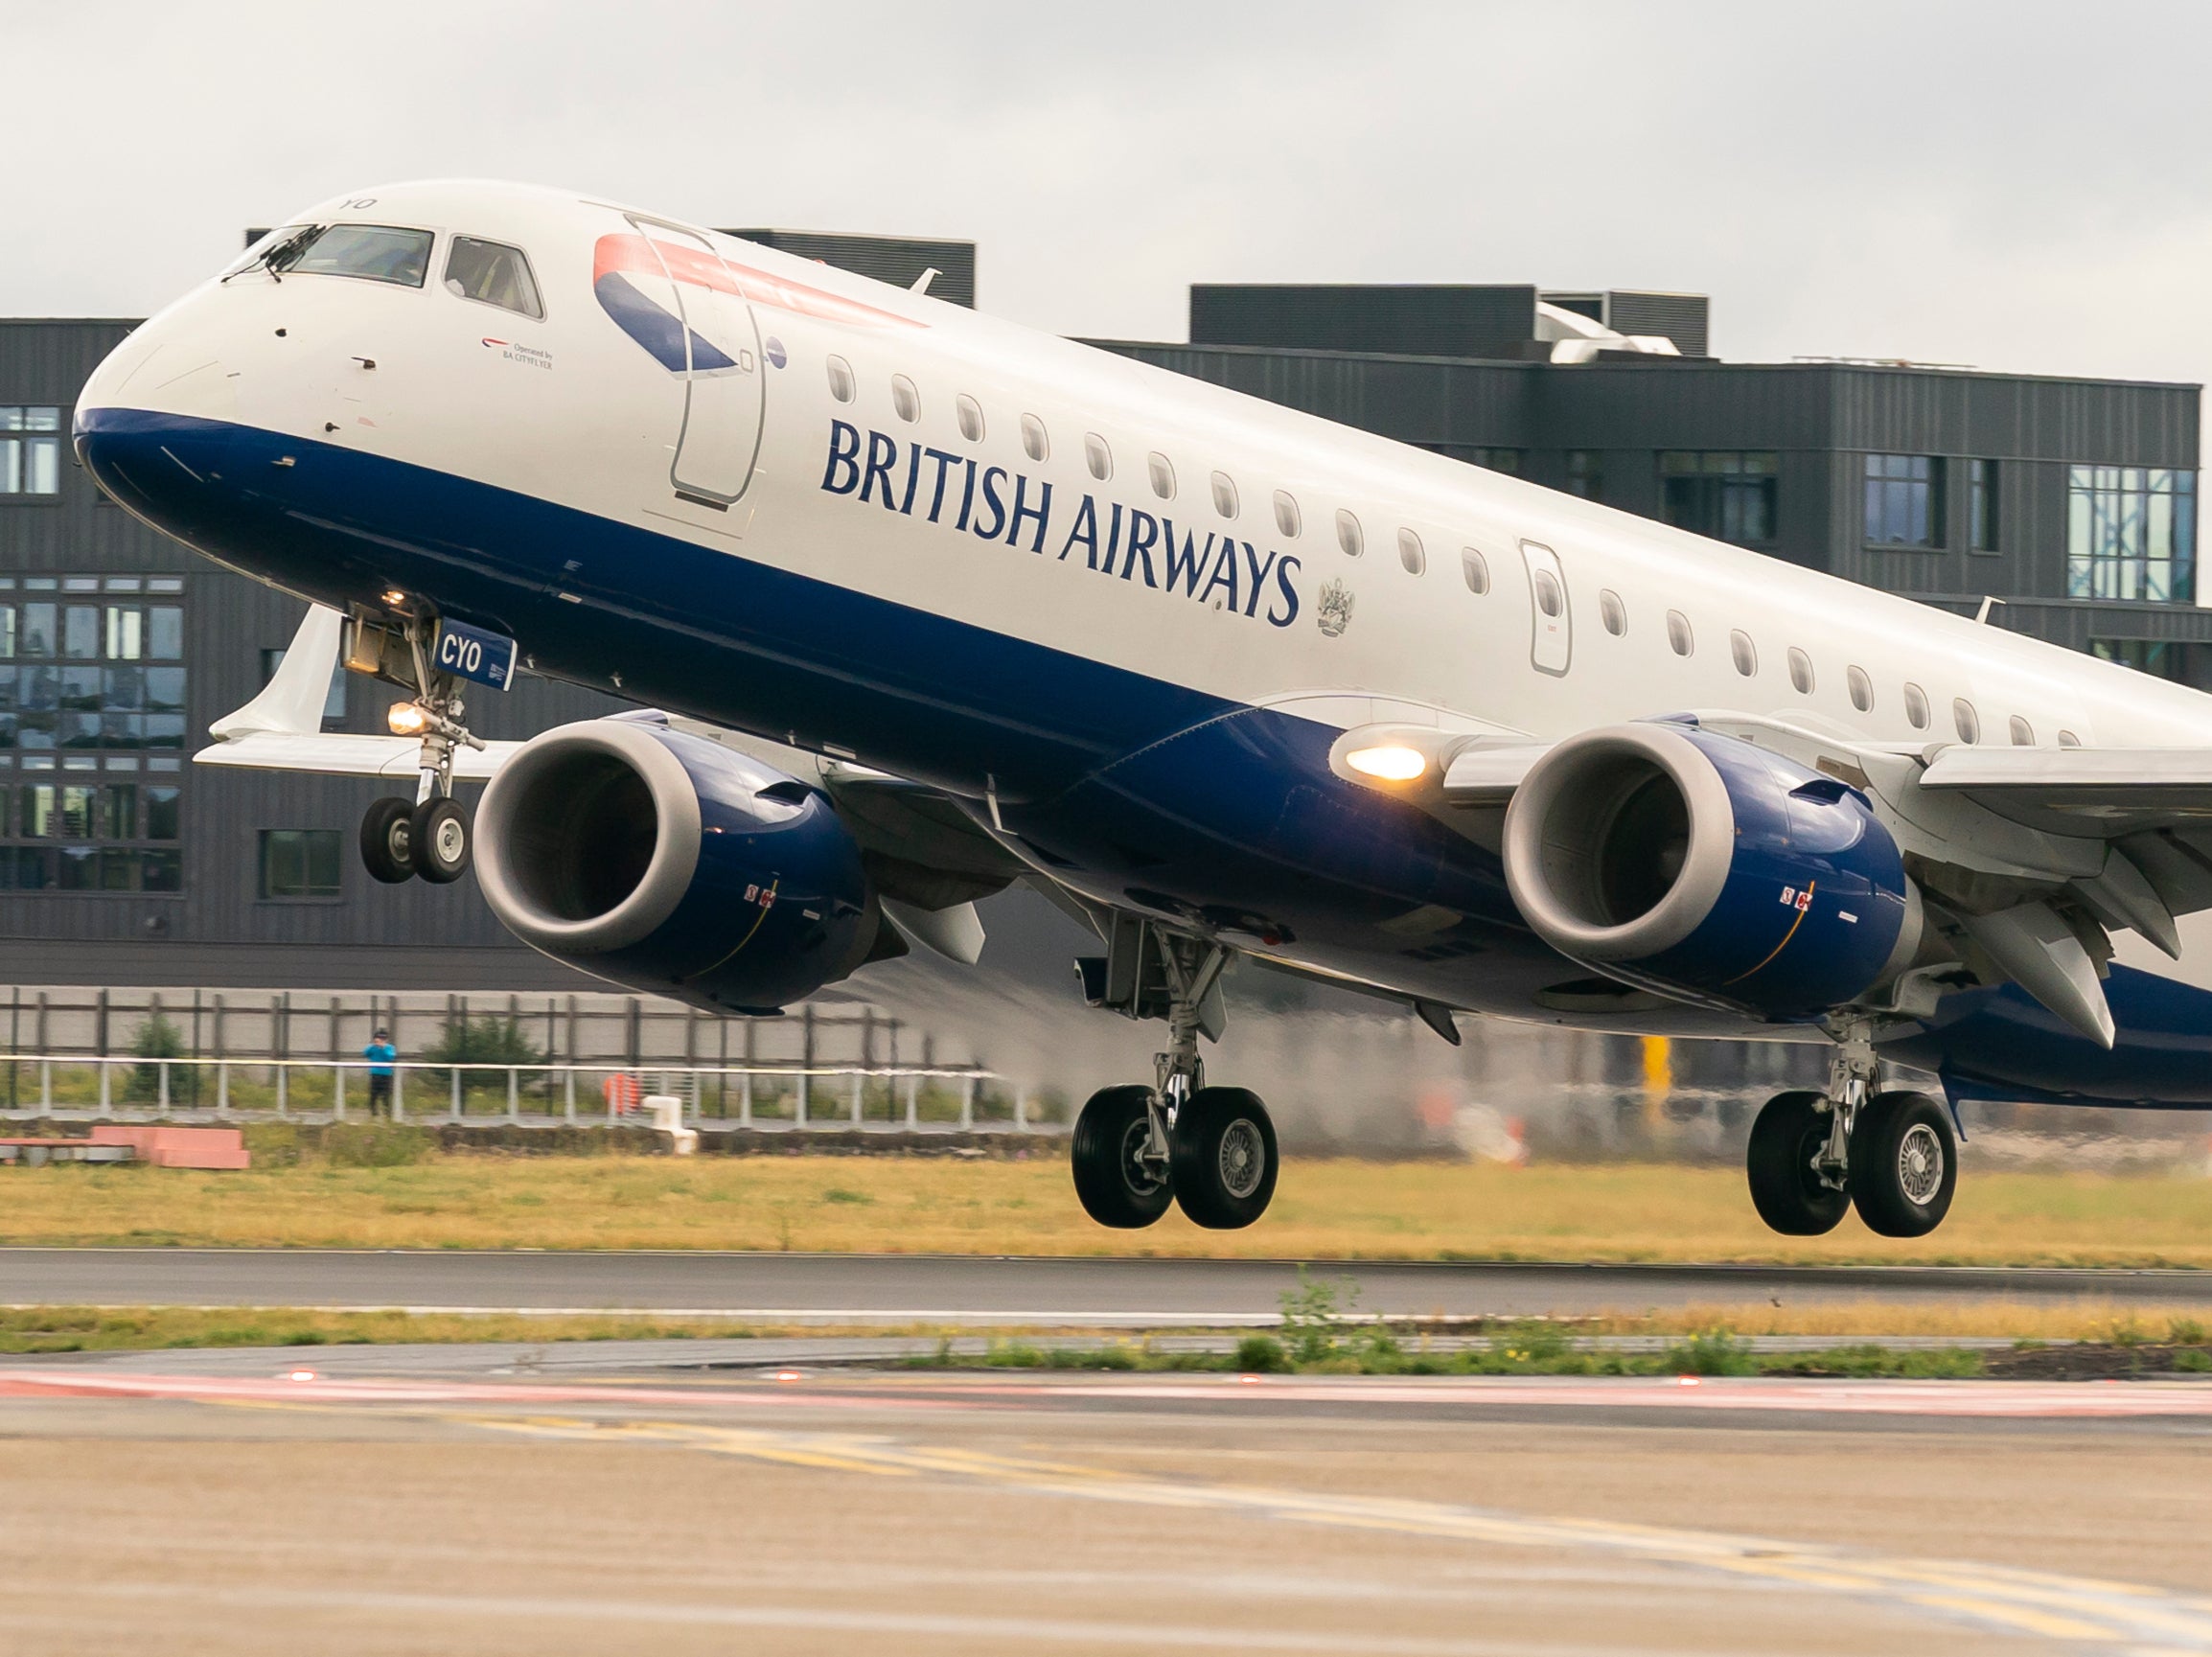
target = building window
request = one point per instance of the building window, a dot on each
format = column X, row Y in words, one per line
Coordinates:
column 1904, row 501
column 1728, row 494
column 91, row 701
column 333, row 702
column 1411, row 553
column 30, row 449
column 1585, row 477
column 1982, row 505
column 2153, row 657
column 970, row 413
column 2131, row 534
column 299, row 863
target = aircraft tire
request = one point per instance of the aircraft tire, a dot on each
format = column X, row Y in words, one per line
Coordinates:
column 1904, row 1164
column 439, row 837
column 1788, row 1196
column 1116, row 1187
column 1225, row 1157
column 387, row 844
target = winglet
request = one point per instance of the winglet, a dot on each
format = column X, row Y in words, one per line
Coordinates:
column 292, row 701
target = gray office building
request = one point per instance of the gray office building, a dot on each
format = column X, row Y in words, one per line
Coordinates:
column 2072, row 499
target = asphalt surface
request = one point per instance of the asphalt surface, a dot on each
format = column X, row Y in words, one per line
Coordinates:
column 922, row 1514
column 910, row 1288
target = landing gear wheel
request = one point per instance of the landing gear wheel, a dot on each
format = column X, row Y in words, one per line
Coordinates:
column 1904, row 1164
column 1785, row 1187
column 387, row 840
column 440, row 839
column 1114, row 1182
column 1224, row 1159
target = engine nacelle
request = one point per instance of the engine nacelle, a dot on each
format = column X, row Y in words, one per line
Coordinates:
column 1703, row 868
column 674, row 866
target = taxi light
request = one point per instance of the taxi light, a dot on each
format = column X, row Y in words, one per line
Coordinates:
column 393, row 595
column 406, row 719
column 1392, row 762
column 300, row 1375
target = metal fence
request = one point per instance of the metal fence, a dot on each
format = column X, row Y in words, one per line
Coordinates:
column 124, row 1087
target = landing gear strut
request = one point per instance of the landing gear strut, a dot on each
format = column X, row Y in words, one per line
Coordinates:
column 1212, row 1150
column 1892, row 1154
column 429, row 835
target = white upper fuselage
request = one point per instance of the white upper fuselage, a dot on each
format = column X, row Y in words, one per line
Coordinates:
column 569, row 409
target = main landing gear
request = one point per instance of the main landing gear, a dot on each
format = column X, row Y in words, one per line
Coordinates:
column 1892, row 1155
column 1137, row 1149
column 429, row 835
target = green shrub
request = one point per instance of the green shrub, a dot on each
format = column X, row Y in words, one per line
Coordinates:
column 490, row 1040
column 159, row 1038
column 1713, row 1351
column 1261, row 1355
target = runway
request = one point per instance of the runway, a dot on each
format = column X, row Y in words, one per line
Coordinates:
column 897, row 1289
column 927, row 1513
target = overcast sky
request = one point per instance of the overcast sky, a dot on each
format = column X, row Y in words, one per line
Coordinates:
column 2008, row 185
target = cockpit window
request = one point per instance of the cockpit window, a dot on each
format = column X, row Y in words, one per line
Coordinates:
column 492, row 273
column 372, row 252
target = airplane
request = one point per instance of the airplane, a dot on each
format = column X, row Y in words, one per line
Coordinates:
column 916, row 604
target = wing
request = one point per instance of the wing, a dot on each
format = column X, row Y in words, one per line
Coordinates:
column 928, row 858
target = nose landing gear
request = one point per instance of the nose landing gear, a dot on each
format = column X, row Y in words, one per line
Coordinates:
column 1891, row 1154
column 429, row 835
column 1136, row 1149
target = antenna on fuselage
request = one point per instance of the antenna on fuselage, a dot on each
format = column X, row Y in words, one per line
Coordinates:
column 923, row 280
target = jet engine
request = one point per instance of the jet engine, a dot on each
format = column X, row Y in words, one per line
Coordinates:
column 668, row 864
column 1705, row 868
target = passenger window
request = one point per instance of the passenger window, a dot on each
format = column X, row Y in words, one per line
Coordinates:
column 492, row 273
column 1476, row 569
column 1097, row 456
column 906, row 401
column 1162, row 476
column 1286, row 514
column 1224, row 495
column 1861, row 688
column 841, row 377
column 1743, row 653
column 1678, row 633
column 1347, row 534
column 1800, row 671
column 1916, row 706
column 1411, row 553
column 1613, row 614
column 2068, row 739
column 1034, row 443
column 970, row 413
column 2023, row 733
column 1968, row 721
column 1548, row 598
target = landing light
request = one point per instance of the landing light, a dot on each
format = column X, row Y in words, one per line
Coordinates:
column 1393, row 762
column 393, row 595
column 299, row 1374
column 405, row 719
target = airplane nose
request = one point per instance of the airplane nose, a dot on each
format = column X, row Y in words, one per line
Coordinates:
column 154, row 425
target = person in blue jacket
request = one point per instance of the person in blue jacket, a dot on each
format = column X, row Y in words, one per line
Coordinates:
column 380, row 1054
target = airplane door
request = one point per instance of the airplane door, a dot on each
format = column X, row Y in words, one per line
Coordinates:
column 1549, row 612
column 723, row 392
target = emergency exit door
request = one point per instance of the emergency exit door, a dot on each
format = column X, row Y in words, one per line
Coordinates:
column 1552, row 643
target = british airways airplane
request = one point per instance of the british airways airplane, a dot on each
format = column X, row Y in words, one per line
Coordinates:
column 917, row 604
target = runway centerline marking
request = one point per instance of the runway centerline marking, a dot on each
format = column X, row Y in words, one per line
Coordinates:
column 2051, row 1606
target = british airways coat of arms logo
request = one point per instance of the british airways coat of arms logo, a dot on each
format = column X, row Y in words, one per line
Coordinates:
column 1333, row 608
